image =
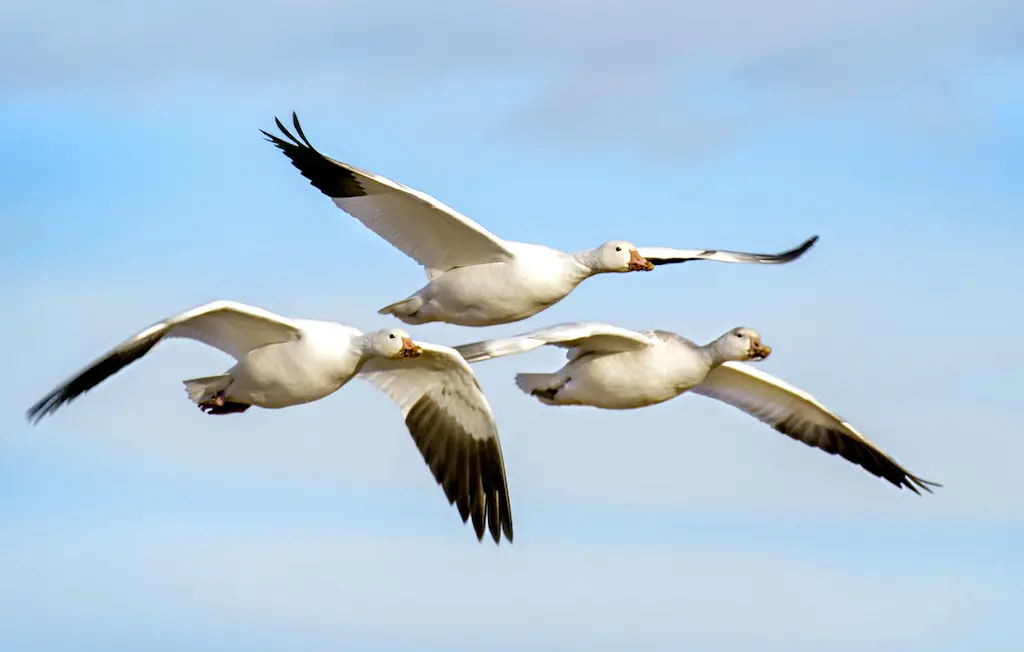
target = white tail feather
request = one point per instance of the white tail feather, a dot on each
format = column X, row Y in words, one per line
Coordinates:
column 530, row 383
column 405, row 309
column 203, row 389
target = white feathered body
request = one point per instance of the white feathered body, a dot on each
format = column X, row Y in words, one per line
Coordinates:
column 624, row 380
column 291, row 373
column 534, row 279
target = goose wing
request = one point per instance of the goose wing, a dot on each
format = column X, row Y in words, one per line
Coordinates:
column 667, row 256
column 234, row 328
column 799, row 415
column 433, row 234
column 578, row 337
column 453, row 427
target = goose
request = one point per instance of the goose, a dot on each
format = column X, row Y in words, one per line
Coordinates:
column 281, row 362
column 619, row 369
column 474, row 277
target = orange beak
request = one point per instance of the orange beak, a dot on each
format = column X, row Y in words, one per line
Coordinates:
column 760, row 351
column 409, row 350
column 638, row 263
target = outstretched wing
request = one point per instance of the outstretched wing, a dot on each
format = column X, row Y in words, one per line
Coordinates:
column 234, row 328
column 796, row 413
column 436, row 236
column 451, row 422
column 578, row 337
column 667, row 256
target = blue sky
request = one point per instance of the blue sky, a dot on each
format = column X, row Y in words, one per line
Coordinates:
column 134, row 183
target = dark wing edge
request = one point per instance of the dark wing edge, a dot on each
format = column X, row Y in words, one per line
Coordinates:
column 470, row 470
column 763, row 259
column 103, row 368
column 325, row 174
column 837, row 442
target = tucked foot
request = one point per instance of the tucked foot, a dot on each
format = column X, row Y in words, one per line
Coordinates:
column 228, row 407
column 215, row 401
column 549, row 394
column 542, row 386
column 218, row 404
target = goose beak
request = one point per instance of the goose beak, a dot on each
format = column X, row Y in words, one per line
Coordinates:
column 409, row 350
column 760, row 351
column 638, row 263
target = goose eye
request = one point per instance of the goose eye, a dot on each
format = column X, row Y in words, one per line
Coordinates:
column 392, row 336
column 618, row 248
column 739, row 334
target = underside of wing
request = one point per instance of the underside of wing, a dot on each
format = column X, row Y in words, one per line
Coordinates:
column 579, row 338
column 668, row 256
column 799, row 415
column 451, row 424
column 231, row 327
column 433, row 234
column 99, row 370
column 234, row 328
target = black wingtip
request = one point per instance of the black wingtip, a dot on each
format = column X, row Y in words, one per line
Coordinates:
column 33, row 416
column 326, row 175
column 298, row 129
column 793, row 254
column 47, row 406
column 927, row 485
column 284, row 130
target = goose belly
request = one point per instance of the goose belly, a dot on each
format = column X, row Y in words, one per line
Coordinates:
column 281, row 375
column 624, row 381
column 498, row 293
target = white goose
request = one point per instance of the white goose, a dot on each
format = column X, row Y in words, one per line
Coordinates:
column 283, row 362
column 476, row 278
column 617, row 369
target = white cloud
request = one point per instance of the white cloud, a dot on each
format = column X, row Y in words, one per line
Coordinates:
column 794, row 38
column 650, row 72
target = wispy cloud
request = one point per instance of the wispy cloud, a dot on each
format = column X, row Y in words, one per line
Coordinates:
column 136, row 185
column 650, row 72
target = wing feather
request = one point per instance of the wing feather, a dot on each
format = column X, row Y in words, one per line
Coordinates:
column 667, row 256
column 234, row 328
column 452, row 425
column 578, row 337
column 797, row 414
column 435, row 235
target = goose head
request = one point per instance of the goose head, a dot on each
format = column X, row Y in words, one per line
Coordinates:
column 742, row 344
column 620, row 256
column 394, row 343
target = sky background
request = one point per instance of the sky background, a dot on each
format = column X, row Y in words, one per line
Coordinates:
column 134, row 183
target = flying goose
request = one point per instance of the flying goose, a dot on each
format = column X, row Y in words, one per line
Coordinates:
column 474, row 277
column 283, row 362
column 618, row 369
